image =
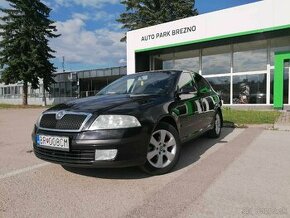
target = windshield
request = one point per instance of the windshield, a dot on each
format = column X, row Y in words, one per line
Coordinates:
column 142, row 83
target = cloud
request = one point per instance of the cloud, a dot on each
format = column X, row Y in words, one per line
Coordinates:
column 96, row 16
column 81, row 16
column 101, row 47
column 103, row 15
column 86, row 3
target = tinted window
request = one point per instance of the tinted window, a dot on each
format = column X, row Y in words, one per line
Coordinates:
column 142, row 83
column 202, row 84
column 185, row 81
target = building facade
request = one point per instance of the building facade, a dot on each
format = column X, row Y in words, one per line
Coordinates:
column 244, row 51
column 67, row 86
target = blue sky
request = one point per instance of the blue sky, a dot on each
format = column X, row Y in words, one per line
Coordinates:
column 90, row 35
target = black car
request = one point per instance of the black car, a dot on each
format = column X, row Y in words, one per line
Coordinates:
column 139, row 120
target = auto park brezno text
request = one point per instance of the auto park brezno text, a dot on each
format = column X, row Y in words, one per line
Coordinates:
column 169, row 33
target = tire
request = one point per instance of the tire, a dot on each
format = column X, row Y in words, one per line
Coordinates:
column 163, row 150
column 215, row 132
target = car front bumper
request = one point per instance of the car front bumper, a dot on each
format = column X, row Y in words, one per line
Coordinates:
column 131, row 146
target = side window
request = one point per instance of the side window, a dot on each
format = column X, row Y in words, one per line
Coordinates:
column 185, row 82
column 202, row 85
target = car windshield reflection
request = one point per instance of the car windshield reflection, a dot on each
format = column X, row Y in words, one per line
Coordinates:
column 142, row 84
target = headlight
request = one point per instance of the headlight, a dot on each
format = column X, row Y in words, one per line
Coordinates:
column 114, row 122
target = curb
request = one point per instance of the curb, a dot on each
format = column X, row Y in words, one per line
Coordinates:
column 234, row 125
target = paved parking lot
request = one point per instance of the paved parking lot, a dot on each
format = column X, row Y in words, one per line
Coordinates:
column 245, row 173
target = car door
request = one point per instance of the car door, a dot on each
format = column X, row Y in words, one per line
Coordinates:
column 187, row 107
column 207, row 102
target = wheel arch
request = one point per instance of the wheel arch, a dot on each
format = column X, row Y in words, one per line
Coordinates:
column 170, row 120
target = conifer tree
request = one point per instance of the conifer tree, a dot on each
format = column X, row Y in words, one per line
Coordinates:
column 25, row 30
column 143, row 13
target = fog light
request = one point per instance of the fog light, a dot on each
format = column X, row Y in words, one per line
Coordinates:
column 105, row 154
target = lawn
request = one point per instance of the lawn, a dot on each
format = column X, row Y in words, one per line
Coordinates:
column 241, row 117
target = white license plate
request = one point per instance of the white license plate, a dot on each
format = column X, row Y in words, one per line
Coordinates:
column 53, row 142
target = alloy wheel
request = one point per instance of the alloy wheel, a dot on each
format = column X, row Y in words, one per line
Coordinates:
column 162, row 149
column 217, row 124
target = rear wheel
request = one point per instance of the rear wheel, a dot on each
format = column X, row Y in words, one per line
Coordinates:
column 163, row 150
column 216, row 131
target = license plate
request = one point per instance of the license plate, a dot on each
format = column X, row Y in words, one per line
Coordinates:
column 53, row 142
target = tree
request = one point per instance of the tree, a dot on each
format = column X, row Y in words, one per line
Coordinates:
column 143, row 13
column 25, row 30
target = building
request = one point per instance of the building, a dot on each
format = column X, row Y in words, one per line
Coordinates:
column 67, row 86
column 243, row 51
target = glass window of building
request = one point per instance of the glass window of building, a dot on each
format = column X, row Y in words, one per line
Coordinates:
column 68, row 89
column 74, row 89
column 250, row 56
column 216, row 60
column 51, row 90
column 93, row 73
column 81, row 75
column 168, row 65
column 100, row 73
column 62, row 77
column 123, row 70
column 56, row 90
column 6, row 91
column 62, row 89
column 222, row 86
column 87, row 74
column 186, row 60
column 249, row 89
column 279, row 45
column 108, row 72
column 116, row 71
column 17, row 90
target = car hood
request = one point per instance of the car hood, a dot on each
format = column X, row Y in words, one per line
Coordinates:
column 107, row 103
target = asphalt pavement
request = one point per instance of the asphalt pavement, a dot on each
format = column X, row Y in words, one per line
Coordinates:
column 244, row 173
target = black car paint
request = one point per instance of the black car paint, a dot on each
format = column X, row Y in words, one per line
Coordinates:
column 190, row 115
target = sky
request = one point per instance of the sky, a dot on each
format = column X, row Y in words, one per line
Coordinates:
column 90, row 36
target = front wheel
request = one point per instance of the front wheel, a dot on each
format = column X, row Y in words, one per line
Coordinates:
column 163, row 150
column 216, row 131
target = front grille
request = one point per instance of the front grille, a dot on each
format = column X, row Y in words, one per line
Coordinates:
column 70, row 157
column 67, row 122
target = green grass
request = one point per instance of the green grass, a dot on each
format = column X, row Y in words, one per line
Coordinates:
column 242, row 117
column 11, row 106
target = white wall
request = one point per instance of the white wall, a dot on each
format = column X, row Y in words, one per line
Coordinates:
column 261, row 16
column 35, row 101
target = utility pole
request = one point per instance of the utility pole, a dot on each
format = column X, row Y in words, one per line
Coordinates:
column 63, row 61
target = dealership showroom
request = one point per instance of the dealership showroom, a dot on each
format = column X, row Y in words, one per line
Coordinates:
column 246, row 61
